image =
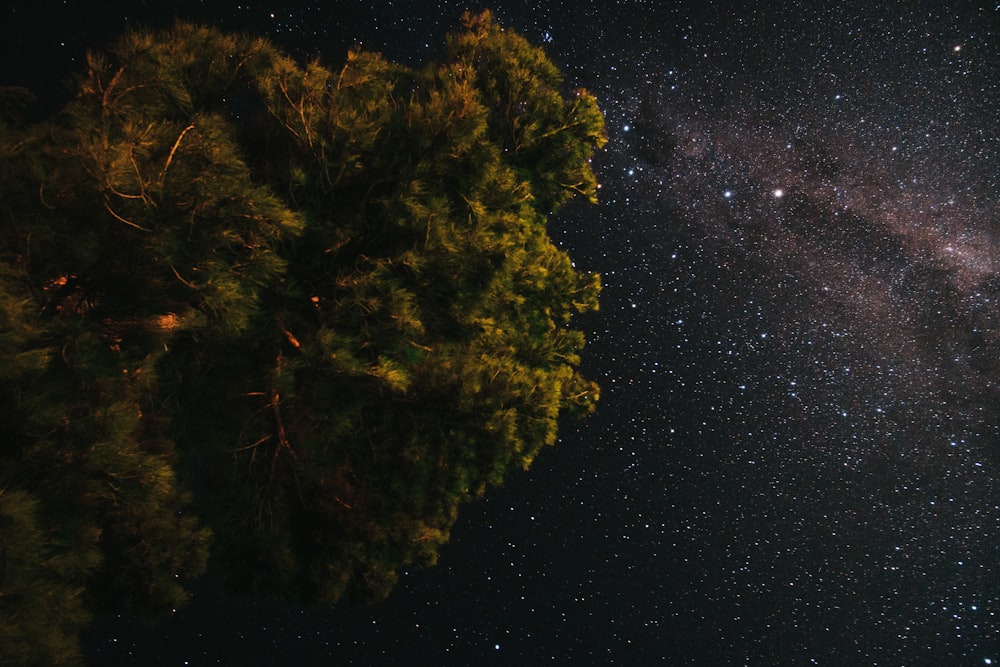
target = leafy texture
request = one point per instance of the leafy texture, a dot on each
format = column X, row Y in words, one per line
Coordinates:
column 307, row 311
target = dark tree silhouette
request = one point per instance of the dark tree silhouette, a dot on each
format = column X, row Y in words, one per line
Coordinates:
column 287, row 316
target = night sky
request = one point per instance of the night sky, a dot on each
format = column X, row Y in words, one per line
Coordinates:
column 796, row 456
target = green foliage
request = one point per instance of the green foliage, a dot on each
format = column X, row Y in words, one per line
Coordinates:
column 550, row 137
column 309, row 310
column 43, row 585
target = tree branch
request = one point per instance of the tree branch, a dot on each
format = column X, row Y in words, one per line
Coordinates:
column 173, row 150
column 107, row 205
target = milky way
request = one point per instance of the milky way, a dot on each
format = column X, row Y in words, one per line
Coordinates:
column 816, row 296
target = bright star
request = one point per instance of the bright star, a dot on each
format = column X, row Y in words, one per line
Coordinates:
column 778, row 193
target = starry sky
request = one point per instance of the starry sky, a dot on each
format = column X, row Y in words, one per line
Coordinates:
column 797, row 452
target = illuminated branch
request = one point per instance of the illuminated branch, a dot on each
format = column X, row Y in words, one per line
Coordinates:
column 107, row 205
column 173, row 150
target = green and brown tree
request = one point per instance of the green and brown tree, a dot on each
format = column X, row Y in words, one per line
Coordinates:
column 288, row 316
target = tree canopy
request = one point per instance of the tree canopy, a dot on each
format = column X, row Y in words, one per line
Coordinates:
column 284, row 316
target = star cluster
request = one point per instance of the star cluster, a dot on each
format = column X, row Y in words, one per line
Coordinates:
column 795, row 459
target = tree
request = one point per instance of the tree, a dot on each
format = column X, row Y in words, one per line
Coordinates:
column 310, row 311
